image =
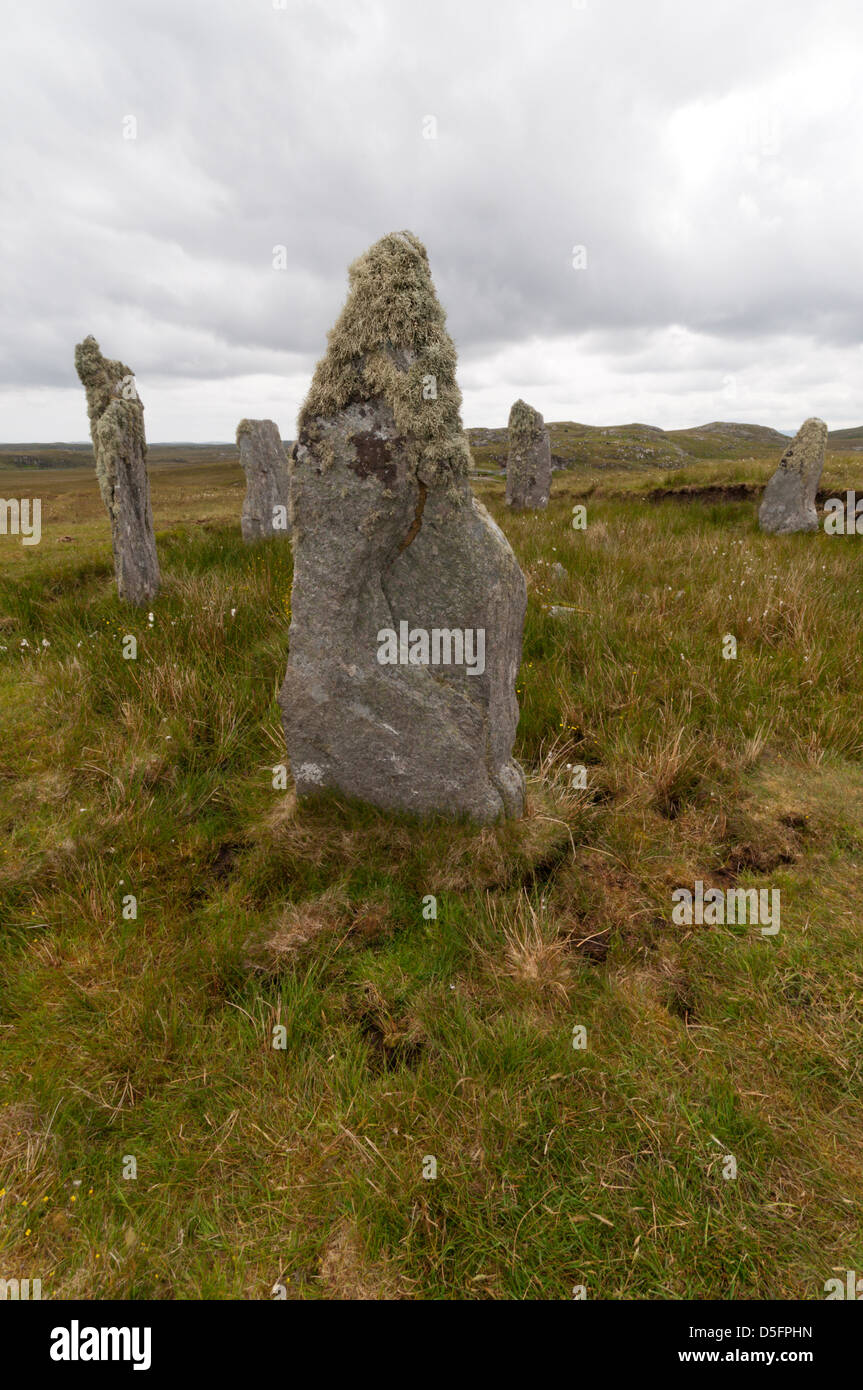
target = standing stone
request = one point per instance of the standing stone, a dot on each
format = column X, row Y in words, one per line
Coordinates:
column 120, row 448
column 266, row 509
column 788, row 503
column 408, row 604
column 528, row 465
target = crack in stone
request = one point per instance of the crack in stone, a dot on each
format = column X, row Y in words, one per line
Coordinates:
column 418, row 517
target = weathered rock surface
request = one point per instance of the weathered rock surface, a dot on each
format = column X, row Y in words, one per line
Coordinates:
column 396, row 566
column 266, row 508
column 528, row 464
column 120, row 447
column 788, row 503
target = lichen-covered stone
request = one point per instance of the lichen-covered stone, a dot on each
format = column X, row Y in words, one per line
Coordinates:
column 528, row 465
column 388, row 539
column 266, row 508
column 120, row 449
column 788, row 503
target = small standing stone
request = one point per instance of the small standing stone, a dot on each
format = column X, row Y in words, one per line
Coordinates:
column 528, row 465
column 120, row 448
column 788, row 503
column 266, row 509
column 408, row 604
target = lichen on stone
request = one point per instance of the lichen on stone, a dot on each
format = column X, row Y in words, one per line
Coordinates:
column 528, row 464
column 116, row 420
column 789, row 500
column 391, row 342
column 525, row 424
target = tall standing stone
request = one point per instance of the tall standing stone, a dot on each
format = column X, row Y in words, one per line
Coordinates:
column 120, row 448
column 788, row 503
column 528, row 465
column 266, row 508
column 408, row 604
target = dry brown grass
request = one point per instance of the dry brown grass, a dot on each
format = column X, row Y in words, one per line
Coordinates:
column 530, row 950
column 23, row 1138
column 299, row 927
column 348, row 1274
column 329, row 918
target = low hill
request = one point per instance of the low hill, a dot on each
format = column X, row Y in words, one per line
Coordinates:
column 176, row 455
column 636, row 446
column 846, row 439
column 573, row 445
column 45, row 455
column 724, row 439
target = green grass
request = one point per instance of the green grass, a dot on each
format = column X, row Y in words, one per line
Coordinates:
column 448, row 1037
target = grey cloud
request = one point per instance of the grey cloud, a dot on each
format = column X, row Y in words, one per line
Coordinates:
column 705, row 156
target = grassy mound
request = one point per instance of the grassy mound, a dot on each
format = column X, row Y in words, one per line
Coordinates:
column 410, row 1034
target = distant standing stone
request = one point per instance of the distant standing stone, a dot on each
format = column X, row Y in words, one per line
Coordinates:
column 266, row 509
column 528, row 465
column 408, row 604
column 120, row 448
column 788, row 503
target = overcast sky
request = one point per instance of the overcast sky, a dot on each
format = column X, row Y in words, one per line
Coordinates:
column 705, row 156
